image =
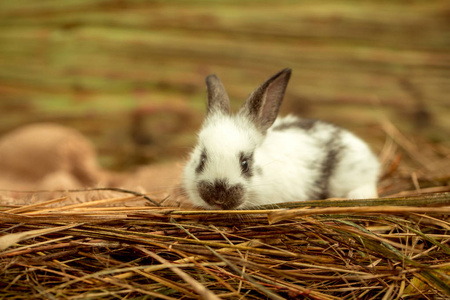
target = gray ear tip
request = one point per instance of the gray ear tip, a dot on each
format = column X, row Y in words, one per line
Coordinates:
column 211, row 78
column 287, row 71
column 284, row 75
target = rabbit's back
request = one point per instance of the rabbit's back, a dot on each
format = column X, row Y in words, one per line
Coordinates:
column 304, row 159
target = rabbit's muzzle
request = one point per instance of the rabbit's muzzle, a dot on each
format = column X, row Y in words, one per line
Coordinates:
column 220, row 193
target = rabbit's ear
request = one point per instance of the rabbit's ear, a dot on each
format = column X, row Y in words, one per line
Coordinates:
column 218, row 100
column 263, row 104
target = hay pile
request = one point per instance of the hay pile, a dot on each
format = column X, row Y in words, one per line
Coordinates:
column 110, row 247
column 342, row 249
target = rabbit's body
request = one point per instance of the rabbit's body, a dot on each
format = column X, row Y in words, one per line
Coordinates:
column 316, row 160
column 252, row 158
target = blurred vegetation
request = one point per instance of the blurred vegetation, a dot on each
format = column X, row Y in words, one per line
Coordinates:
column 130, row 74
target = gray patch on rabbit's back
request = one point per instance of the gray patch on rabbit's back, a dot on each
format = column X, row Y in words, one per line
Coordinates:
column 305, row 124
column 333, row 149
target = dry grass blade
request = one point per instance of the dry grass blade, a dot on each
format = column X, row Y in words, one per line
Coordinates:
column 84, row 205
column 233, row 267
column 278, row 216
column 366, row 251
column 35, row 205
column 198, row 287
column 9, row 240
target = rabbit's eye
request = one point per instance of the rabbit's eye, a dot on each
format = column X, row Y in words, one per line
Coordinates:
column 245, row 162
column 244, row 166
column 202, row 162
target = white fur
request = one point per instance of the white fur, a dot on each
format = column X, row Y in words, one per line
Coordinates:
column 252, row 158
column 287, row 163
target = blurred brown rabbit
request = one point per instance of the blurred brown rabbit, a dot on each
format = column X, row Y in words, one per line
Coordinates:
column 47, row 156
column 47, row 152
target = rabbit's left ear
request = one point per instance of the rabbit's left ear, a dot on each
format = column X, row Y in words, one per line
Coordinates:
column 263, row 105
column 218, row 100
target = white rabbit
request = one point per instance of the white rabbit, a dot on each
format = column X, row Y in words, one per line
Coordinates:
column 252, row 158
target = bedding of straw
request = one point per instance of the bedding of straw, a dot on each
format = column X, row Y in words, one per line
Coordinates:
column 388, row 248
column 108, row 246
column 395, row 247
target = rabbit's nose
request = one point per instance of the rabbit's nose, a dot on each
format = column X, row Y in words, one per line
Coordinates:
column 220, row 193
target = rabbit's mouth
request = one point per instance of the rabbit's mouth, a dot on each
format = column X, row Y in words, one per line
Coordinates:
column 221, row 194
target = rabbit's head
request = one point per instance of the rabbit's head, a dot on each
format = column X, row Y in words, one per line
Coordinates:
column 222, row 166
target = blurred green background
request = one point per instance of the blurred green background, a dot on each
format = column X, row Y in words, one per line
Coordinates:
column 129, row 74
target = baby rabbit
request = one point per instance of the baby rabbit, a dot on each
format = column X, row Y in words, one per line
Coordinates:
column 252, row 158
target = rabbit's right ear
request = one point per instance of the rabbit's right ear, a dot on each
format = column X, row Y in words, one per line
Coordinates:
column 263, row 104
column 218, row 100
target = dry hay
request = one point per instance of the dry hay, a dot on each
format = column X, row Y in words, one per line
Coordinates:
column 343, row 249
column 396, row 247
